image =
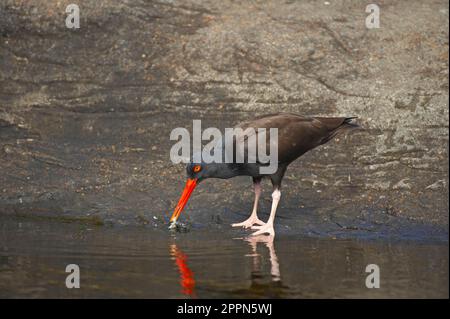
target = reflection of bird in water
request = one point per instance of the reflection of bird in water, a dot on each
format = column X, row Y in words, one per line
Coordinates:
column 274, row 265
column 187, row 280
column 260, row 286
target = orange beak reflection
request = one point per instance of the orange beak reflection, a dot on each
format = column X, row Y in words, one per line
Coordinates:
column 188, row 189
column 187, row 280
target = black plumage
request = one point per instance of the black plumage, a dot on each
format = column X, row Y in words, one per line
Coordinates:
column 296, row 135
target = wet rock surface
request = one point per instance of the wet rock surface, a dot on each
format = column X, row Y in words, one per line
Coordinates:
column 85, row 115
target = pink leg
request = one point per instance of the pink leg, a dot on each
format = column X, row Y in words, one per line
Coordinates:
column 253, row 219
column 268, row 227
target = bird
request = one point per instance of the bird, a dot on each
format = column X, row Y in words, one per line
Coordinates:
column 297, row 135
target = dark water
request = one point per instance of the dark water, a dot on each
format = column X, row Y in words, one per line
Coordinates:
column 126, row 262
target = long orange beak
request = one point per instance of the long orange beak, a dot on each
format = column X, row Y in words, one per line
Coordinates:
column 188, row 189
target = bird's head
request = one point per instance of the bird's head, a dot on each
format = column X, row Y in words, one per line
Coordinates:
column 196, row 172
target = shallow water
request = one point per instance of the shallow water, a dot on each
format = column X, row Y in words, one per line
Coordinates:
column 144, row 262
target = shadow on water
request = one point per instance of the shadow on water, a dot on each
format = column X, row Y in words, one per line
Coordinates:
column 146, row 262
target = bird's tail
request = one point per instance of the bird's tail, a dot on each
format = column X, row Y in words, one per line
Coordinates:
column 346, row 124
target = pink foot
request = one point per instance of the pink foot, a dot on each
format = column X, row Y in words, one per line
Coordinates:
column 252, row 220
column 264, row 229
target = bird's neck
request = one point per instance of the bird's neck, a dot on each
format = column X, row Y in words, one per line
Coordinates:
column 226, row 170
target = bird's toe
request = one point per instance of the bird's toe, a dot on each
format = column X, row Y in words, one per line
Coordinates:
column 259, row 222
column 249, row 223
column 243, row 224
column 266, row 229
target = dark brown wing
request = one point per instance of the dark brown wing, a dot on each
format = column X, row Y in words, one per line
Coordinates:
column 298, row 134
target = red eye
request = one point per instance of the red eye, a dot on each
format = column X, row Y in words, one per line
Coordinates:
column 197, row 168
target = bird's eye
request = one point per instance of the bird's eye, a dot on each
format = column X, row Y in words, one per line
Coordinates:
column 197, row 168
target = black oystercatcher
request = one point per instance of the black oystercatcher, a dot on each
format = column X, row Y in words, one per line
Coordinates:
column 296, row 135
